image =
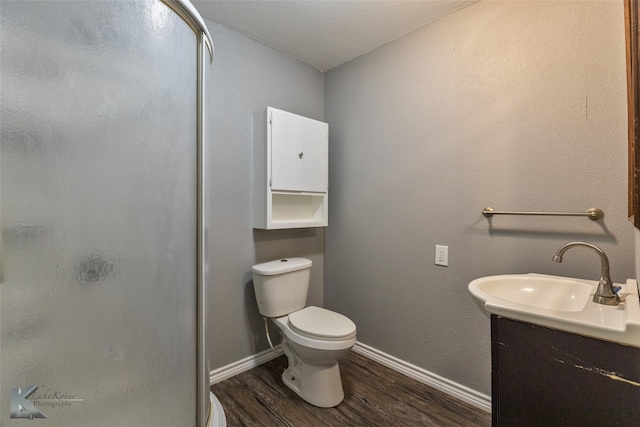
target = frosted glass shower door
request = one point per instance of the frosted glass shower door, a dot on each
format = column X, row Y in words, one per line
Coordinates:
column 98, row 201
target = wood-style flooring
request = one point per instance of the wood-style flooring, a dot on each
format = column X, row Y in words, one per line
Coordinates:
column 374, row 396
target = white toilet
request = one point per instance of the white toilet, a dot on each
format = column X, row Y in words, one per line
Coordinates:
column 314, row 338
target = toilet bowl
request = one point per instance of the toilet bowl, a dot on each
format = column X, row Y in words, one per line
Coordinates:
column 314, row 339
column 313, row 354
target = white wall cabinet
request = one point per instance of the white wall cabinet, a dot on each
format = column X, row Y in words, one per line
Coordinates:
column 291, row 171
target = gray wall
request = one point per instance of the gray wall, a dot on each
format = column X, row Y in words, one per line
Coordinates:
column 245, row 77
column 515, row 105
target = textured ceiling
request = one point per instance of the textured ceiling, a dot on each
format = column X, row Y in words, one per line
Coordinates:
column 325, row 34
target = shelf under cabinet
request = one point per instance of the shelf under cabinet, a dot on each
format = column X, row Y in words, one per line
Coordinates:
column 306, row 209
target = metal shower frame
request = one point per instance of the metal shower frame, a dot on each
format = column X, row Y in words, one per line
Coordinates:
column 192, row 17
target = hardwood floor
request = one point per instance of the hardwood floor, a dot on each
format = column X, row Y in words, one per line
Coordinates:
column 374, row 396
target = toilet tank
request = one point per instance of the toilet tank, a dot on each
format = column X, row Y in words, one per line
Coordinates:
column 281, row 286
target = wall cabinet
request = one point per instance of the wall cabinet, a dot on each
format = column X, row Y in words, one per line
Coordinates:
column 546, row 377
column 291, row 171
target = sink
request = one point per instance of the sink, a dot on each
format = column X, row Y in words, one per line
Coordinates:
column 561, row 303
column 552, row 293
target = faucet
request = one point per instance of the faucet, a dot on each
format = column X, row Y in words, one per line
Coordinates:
column 605, row 293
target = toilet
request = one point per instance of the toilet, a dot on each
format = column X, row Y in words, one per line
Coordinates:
column 314, row 339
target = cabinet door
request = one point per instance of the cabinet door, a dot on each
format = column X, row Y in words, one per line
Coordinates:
column 547, row 377
column 299, row 153
column 287, row 132
column 315, row 149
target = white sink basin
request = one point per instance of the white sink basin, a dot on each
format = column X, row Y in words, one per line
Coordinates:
column 552, row 293
column 561, row 303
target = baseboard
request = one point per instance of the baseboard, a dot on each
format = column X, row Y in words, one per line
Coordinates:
column 452, row 388
column 472, row 397
column 243, row 365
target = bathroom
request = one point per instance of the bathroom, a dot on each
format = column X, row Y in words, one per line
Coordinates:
column 515, row 105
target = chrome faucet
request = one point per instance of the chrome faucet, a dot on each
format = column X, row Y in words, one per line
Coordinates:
column 605, row 293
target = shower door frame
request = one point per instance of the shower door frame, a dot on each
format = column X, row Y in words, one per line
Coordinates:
column 192, row 17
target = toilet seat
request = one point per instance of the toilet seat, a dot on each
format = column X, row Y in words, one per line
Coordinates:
column 298, row 336
column 319, row 323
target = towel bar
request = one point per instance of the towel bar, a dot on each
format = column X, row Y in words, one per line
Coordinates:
column 593, row 214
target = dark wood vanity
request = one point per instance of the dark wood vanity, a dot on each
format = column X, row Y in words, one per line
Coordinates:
column 546, row 377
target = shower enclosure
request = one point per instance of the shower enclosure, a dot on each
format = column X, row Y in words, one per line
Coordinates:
column 102, row 272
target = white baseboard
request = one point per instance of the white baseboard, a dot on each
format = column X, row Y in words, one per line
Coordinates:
column 244, row 365
column 454, row 389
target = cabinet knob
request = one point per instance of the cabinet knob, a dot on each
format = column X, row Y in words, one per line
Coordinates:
column 300, row 155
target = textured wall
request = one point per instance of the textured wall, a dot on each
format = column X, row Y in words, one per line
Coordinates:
column 245, row 77
column 515, row 105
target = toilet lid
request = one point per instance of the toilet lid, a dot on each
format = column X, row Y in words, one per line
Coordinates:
column 319, row 322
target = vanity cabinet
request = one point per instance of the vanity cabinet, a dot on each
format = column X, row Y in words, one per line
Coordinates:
column 291, row 171
column 546, row 377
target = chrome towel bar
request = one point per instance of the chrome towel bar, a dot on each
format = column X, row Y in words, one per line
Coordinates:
column 593, row 214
